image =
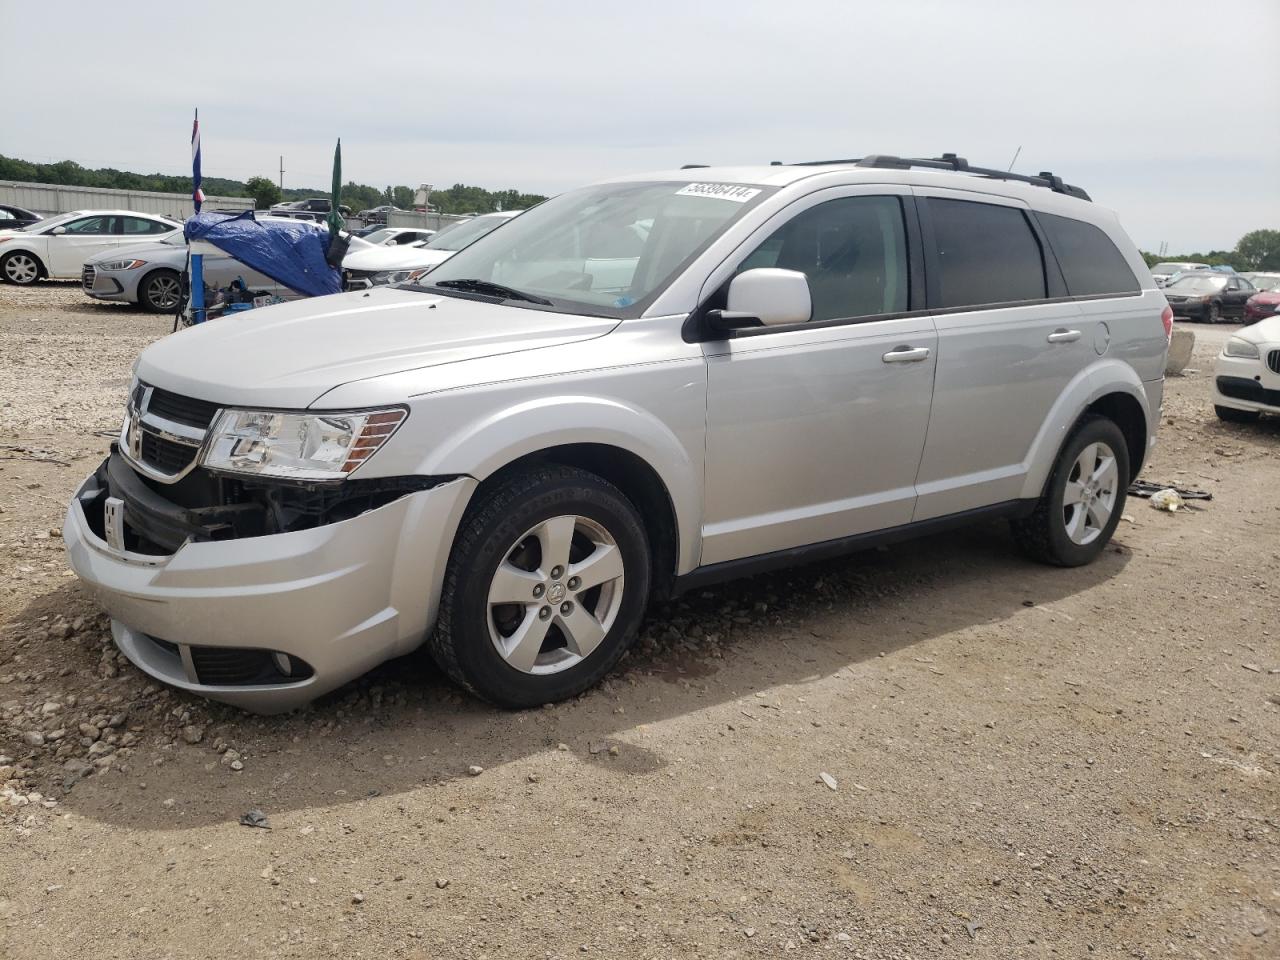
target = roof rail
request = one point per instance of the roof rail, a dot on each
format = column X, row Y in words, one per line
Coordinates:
column 949, row 161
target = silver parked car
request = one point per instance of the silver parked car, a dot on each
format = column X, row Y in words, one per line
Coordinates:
column 635, row 388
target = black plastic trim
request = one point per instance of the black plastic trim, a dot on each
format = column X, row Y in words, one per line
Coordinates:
column 827, row 549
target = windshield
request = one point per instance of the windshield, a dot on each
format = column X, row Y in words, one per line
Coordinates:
column 605, row 249
column 1197, row 284
column 464, row 234
column 378, row 236
column 1265, row 281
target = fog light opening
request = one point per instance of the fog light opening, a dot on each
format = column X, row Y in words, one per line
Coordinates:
column 283, row 663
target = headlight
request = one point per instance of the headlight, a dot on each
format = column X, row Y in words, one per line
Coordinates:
column 112, row 266
column 298, row 446
column 390, row 276
column 1242, row 349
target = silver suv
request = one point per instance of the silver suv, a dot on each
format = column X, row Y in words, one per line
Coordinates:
column 633, row 389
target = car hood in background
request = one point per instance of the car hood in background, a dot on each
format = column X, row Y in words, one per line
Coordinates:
column 167, row 252
column 376, row 258
column 1264, row 331
column 289, row 355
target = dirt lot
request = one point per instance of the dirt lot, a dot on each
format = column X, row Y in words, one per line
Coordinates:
column 1027, row 762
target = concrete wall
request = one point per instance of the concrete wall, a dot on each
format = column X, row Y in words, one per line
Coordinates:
column 48, row 198
column 425, row 221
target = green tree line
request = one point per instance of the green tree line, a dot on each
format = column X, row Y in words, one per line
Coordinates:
column 1256, row 250
column 459, row 198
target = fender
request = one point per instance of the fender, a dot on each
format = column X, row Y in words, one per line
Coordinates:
column 1103, row 376
column 479, row 448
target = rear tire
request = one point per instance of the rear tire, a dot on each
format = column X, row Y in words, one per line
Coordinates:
column 546, row 585
column 21, row 268
column 1083, row 499
column 160, row 291
column 1232, row 415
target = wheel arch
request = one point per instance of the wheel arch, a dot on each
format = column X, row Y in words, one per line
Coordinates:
column 1109, row 388
column 625, row 445
column 42, row 269
column 637, row 480
column 146, row 278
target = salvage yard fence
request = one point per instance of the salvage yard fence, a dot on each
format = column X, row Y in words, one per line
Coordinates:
column 50, row 199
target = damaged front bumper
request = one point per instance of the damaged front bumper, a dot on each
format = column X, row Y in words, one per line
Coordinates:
column 207, row 598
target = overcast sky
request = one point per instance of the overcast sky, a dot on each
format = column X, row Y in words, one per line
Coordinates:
column 1165, row 111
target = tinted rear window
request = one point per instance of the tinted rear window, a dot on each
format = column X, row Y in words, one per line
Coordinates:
column 986, row 254
column 1090, row 262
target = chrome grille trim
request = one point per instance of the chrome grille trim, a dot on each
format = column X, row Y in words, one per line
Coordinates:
column 154, row 444
column 1273, row 361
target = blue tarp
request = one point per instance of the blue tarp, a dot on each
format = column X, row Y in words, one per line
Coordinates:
column 291, row 253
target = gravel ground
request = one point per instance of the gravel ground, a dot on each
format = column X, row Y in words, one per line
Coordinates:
column 1018, row 761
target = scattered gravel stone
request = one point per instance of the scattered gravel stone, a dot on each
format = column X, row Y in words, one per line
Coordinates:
column 829, row 780
column 193, row 733
column 474, row 771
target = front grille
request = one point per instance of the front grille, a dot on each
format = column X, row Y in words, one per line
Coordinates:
column 180, row 409
column 167, row 456
column 1273, row 361
column 88, row 276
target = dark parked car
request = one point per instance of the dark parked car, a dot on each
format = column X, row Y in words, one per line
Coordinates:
column 310, row 205
column 1209, row 295
column 1266, row 302
column 15, row 218
column 378, row 214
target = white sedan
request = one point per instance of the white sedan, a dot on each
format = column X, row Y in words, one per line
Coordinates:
column 57, row 248
column 370, row 265
column 1246, row 379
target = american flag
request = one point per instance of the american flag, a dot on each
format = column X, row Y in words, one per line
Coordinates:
column 197, row 195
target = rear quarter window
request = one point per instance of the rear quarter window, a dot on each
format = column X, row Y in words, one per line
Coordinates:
column 1090, row 262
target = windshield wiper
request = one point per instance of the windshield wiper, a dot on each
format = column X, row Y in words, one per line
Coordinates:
column 496, row 289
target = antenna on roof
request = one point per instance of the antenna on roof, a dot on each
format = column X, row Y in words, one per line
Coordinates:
column 1015, row 158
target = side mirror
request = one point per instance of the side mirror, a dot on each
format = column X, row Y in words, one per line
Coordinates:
column 58, row 231
column 765, row 297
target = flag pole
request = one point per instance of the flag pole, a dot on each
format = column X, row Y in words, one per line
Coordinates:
column 197, row 198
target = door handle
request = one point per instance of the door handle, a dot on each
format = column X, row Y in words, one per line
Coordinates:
column 1062, row 335
column 906, row 355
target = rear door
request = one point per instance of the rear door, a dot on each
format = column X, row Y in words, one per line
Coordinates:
column 1009, row 341
column 84, row 238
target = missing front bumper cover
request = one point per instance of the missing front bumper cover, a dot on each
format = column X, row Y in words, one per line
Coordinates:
column 130, row 514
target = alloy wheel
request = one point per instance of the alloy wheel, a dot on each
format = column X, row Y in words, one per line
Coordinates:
column 555, row 594
column 163, row 292
column 20, row 268
column 1090, row 496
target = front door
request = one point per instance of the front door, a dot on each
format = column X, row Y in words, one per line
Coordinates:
column 84, row 238
column 814, row 431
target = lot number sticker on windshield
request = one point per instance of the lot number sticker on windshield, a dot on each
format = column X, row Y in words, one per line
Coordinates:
column 720, row 191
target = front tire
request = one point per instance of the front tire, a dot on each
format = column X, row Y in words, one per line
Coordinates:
column 21, row 268
column 160, row 291
column 1083, row 500
column 1215, row 313
column 546, row 585
column 1232, row 415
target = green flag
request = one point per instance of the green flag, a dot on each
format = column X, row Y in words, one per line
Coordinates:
column 336, row 220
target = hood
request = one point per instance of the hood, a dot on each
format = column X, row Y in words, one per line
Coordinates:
column 289, row 355
column 376, row 258
column 141, row 251
column 1266, row 296
column 1264, row 331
